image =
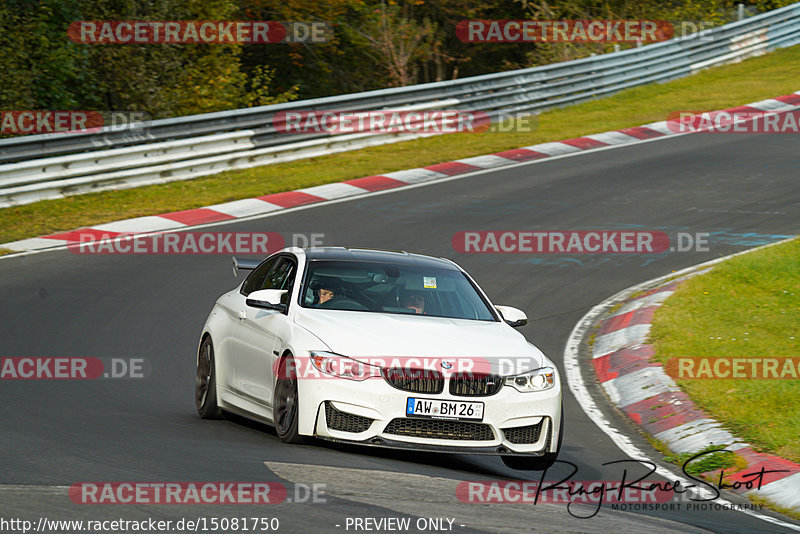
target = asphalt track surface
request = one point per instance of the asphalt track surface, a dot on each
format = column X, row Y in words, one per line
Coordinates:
column 740, row 188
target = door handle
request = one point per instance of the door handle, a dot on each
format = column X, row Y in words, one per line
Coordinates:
column 242, row 315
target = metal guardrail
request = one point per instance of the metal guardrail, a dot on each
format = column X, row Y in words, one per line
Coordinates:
column 50, row 166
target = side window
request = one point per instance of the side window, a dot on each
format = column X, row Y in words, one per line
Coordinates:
column 281, row 276
column 258, row 277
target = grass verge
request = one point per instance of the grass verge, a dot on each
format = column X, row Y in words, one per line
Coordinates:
column 710, row 461
column 746, row 307
column 791, row 512
column 723, row 87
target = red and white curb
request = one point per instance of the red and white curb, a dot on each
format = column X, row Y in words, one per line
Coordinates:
column 624, row 363
column 251, row 207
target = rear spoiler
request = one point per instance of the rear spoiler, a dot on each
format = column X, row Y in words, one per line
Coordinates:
column 244, row 264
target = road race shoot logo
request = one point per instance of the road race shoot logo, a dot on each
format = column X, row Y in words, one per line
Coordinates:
column 560, row 31
column 30, row 122
column 198, row 31
column 630, row 492
column 743, row 121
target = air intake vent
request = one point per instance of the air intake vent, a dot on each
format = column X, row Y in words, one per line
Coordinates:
column 524, row 434
column 345, row 422
column 439, row 429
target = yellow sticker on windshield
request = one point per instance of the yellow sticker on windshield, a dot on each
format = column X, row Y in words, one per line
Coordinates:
column 429, row 282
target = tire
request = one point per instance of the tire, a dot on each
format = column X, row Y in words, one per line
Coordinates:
column 205, row 385
column 537, row 463
column 285, row 404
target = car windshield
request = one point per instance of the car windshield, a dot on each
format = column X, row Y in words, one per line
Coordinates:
column 392, row 288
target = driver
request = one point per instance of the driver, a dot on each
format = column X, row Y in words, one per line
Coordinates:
column 324, row 294
column 416, row 303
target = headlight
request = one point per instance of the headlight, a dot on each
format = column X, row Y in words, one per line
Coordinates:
column 343, row 367
column 540, row 379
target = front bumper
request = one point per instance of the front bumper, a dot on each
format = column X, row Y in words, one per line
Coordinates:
column 372, row 413
column 421, row 447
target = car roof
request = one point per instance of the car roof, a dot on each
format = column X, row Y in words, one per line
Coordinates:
column 385, row 256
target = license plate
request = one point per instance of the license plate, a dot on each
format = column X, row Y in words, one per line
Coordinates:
column 443, row 409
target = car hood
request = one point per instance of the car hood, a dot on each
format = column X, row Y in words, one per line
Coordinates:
column 368, row 334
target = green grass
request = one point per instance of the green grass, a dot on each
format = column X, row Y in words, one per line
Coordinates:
column 709, row 462
column 657, row 444
column 732, row 85
column 746, row 307
column 794, row 513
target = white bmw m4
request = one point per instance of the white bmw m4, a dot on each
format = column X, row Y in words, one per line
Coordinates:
column 378, row 348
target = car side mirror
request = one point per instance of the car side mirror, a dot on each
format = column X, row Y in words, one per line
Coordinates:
column 269, row 299
column 512, row 316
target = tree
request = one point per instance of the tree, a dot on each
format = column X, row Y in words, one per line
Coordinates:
column 395, row 41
